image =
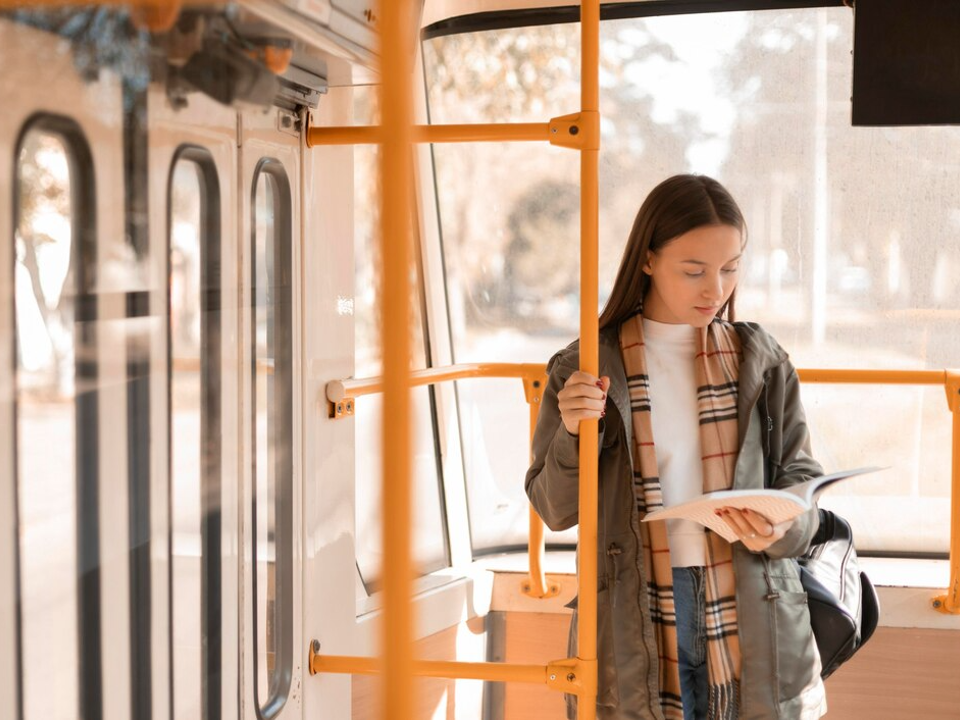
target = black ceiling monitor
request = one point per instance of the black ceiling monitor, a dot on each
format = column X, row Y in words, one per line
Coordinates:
column 906, row 62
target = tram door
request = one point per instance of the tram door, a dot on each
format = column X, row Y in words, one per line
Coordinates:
column 269, row 348
column 196, row 408
column 66, row 272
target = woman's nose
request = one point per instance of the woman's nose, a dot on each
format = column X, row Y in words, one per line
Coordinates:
column 713, row 287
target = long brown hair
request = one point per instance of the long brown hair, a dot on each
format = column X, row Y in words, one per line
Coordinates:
column 676, row 206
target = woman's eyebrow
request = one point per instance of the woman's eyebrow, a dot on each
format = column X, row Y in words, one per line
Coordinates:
column 701, row 262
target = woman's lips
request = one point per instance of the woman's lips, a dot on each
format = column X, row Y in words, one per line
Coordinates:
column 708, row 310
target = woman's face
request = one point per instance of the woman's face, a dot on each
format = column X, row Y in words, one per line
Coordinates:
column 693, row 275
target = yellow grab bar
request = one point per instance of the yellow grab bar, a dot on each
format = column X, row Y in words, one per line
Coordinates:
column 472, row 132
column 534, row 377
column 949, row 602
column 395, row 92
column 579, row 131
column 338, row 390
column 871, row 377
column 342, row 394
column 589, row 355
column 564, row 675
column 499, row 672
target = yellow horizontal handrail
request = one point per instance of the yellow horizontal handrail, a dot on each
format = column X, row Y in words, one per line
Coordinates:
column 495, row 671
column 469, row 132
column 338, row 390
column 579, row 131
column 872, row 377
column 570, row 675
column 340, row 393
column 534, row 377
column 948, row 602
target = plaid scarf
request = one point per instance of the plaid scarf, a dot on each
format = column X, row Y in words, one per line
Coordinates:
column 717, row 372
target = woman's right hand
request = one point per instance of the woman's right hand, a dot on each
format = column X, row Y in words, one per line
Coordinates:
column 584, row 397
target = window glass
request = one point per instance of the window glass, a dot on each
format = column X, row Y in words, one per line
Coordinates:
column 429, row 545
column 850, row 245
column 510, row 217
column 194, row 334
column 273, row 435
column 45, row 287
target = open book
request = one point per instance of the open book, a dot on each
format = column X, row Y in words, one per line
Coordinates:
column 775, row 505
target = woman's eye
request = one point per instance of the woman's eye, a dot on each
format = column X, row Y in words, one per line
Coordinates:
column 693, row 275
column 730, row 270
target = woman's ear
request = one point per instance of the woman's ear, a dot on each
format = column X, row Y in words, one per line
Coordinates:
column 647, row 267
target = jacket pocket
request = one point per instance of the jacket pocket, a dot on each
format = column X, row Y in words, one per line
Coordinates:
column 797, row 662
column 608, row 694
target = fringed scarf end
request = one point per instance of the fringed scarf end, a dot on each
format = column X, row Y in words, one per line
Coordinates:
column 724, row 702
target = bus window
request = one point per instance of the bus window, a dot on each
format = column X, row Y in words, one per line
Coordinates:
column 195, row 438
column 429, row 540
column 272, row 502
column 510, row 231
column 846, row 263
column 55, row 418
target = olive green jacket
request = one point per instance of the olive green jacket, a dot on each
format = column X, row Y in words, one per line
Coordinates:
column 780, row 674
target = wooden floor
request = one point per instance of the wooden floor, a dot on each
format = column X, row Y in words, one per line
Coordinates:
column 900, row 673
column 534, row 638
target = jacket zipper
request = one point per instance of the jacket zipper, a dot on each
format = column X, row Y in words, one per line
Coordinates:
column 767, row 446
column 614, row 552
column 771, row 597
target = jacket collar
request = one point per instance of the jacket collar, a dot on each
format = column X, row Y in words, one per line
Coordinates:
column 761, row 353
column 611, row 365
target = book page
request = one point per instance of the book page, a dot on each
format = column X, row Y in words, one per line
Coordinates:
column 775, row 506
column 813, row 488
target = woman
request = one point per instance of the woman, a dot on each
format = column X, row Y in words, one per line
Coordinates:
column 689, row 625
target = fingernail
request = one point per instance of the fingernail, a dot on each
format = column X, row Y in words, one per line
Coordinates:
column 600, row 384
column 745, row 510
column 603, row 413
column 604, row 397
column 718, row 513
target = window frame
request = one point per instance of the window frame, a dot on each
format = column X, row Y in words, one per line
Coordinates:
column 433, row 345
column 509, row 19
column 86, row 406
column 284, row 559
column 609, row 10
column 211, row 593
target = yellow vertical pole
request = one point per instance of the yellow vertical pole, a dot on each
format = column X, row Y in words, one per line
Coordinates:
column 950, row 601
column 952, row 604
column 589, row 355
column 396, row 168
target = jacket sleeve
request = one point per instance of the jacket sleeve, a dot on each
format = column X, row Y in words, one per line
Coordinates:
column 552, row 482
column 793, row 460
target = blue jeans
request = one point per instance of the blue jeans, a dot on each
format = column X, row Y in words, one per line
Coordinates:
column 690, row 600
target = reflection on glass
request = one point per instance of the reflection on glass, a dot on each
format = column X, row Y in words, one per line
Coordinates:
column 273, row 435
column 46, row 428
column 851, row 230
column 429, row 546
column 195, row 444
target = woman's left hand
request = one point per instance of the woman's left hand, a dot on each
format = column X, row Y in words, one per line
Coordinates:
column 753, row 529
